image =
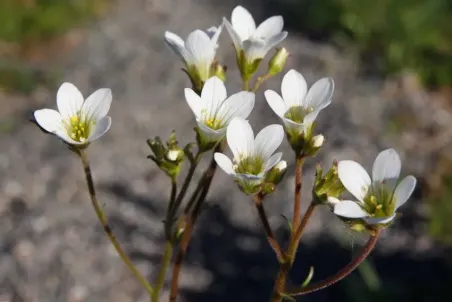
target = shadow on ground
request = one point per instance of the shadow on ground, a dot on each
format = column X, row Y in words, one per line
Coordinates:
column 242, row 265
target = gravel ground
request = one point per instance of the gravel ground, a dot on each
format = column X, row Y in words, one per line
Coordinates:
column 52, row 247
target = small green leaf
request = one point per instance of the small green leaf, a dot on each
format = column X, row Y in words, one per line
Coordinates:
column 309, row 277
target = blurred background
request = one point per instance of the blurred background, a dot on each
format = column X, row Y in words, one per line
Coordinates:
column 392, row 65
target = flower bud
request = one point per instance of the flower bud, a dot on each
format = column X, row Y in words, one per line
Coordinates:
column 219, row 71
column 327, row 188
column 278, row 61
column 274, row 177
column 169, row 156
column 314, row 145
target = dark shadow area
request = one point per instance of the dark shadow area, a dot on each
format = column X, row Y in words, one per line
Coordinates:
column 242, row 266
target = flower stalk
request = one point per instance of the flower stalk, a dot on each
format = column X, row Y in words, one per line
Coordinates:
column 104, row 222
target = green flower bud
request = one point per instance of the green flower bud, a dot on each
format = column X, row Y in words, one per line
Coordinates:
column 169, row 156
column 327, row 188
column 278, row 61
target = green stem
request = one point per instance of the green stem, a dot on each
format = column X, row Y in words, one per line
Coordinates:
column 169, row 214
column 245, row 85
column 344, row 272
column 166, row 259
column 103, row 220
column 260, row 81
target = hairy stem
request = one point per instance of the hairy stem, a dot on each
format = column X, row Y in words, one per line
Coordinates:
column 103, row 220
column 299, row 232
column 344, row 272
column 166, row 259
column 268, row 231
column 297, row 200
column 190, row 217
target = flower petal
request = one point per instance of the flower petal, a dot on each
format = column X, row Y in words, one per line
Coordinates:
column 387, row 168
column 272, row 161
column 194, row 101
column 49, row 119
column 275, row 39
column 200, row 51
column 239, row 104
column 224, row 163
column 240, row 138
column 320, row 94
column 233, row 34
column 270, row 27
column 404, row 190
column 211, row 134
column 97, row 104
column 379, row 220
column 349, row 209
column 69, row 100
column 214, row 34
column 268, row 140
column 176, row 44
column 310, row 118
column 275, row 102
column 242, row 22
column 255, row 49
column 293, row 126
column 293, row 88
column 100, row 128
column 354, row 178
column 212, row 95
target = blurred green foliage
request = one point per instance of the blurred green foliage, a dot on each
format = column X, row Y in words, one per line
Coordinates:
column 28, row 24
column 34, row 20
column 441, row 212
column 413, row 35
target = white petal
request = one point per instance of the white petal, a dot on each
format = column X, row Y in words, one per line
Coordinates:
column 293, row 88
column 62, row 133
column 224, row 163
column 293, row 126
column 275, row 39
column 176, row 44
column 254, row 49
column 212, row 95
column 379, row 220
column 100, row 128
column 233, row 34
column 268, row 140
column 320, row 94
column 270, row 27
column 240, row 138
column 310, row 118
column 404, row 190
column 48, row 119
column 239, row 104
column 97, row 104
column 201, row 51
column 211, row 134
column 69, row 100
column 214, row 34
column 386, row 168
column 349, row 209
column 242, row 22
column 194, row 101
column 354, row 178
column 272, row 161
column 275, row 102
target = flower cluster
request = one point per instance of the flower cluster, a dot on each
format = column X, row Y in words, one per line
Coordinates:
column 255, row 165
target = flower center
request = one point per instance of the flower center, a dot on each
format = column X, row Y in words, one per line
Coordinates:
column 249, row 165
column 79, row 127
column 297, row 113
column 379, row 201
column 214, row 122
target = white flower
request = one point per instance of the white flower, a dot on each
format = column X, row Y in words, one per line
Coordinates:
column 198, row 51
column 253, row 157
column 255, row 42
column 379, row 198
column 78, row 121
column 213, row 111
column 298, row 107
